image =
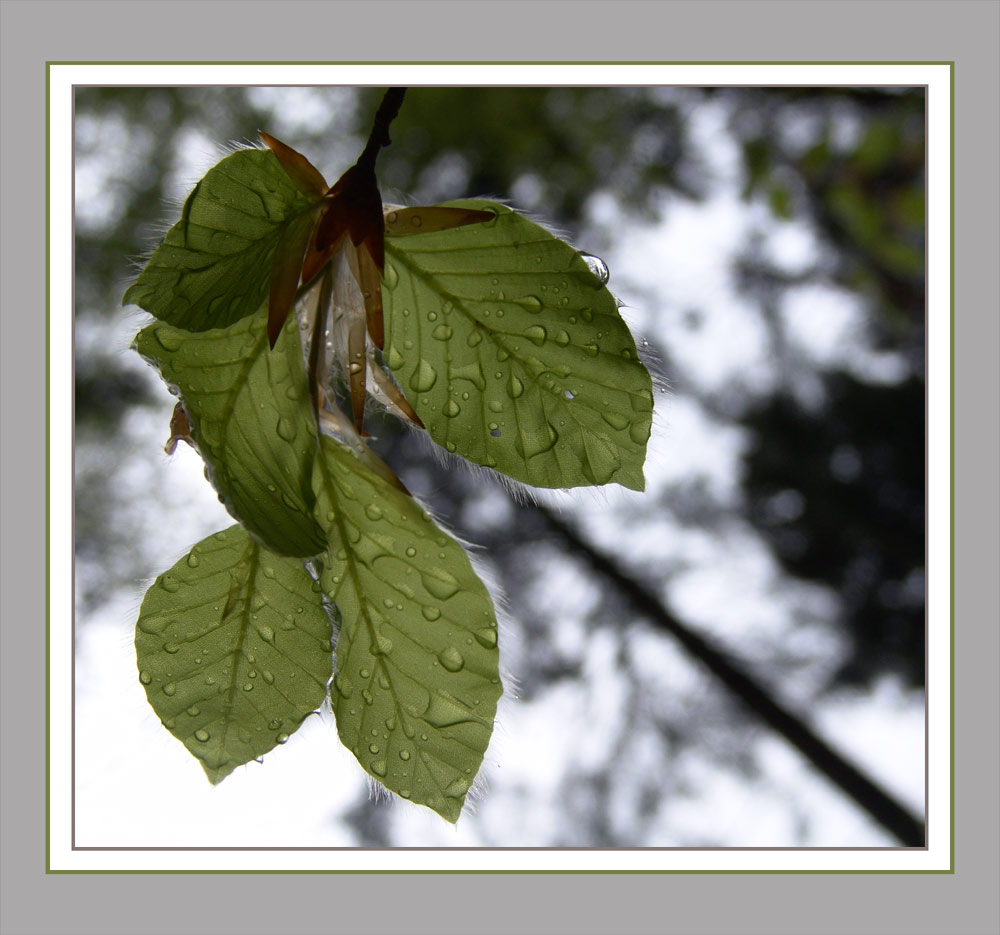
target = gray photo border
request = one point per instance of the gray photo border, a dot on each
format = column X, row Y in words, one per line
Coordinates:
column 33, row 33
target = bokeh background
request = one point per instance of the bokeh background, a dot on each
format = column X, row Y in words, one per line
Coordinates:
column 768, row 246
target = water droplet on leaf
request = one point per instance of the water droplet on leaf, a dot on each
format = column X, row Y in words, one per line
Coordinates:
column 615, row 419
column 423, row 378
column 451, row 659
column 287, row 429
column 486, row 637
column 536, row 335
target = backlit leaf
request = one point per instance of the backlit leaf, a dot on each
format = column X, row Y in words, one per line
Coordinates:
column 214, row 265
column 512, row 351
column 233, row 649
column 417, row 680
column 252, row 421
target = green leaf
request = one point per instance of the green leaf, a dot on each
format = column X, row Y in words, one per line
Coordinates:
column 417, row 679
column 214, row 266
column 253, row 424
column 233, row 649
column 512, row 352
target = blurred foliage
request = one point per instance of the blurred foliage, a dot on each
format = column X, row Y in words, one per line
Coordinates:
column 833, row 480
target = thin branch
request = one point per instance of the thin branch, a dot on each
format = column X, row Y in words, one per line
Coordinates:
column 852, row 781
column 379, row 136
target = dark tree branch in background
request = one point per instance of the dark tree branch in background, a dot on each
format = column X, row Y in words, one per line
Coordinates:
column 872, row 798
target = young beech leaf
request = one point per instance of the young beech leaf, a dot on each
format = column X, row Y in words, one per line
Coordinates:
column 214, row 266
column 417, row 680
column 252, row 420
column 512, row 352
column 233, row 649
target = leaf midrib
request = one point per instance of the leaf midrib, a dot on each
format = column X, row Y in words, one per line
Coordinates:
column 252, row 556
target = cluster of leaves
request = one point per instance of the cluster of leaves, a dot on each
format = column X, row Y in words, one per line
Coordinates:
column 468, row 321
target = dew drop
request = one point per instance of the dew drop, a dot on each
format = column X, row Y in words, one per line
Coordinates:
column 266, row 634
column 486, row 637
column 444, row 710
column 281, row 738
column 404, row 754
column 202, row 736
column 515, row 387
column 373, row 748
column 378, row 767
column 193, row 560
column 471, row 372
column 394, row 359
column 287, row 429
column 381, row 645
column 441, row 584
column 592, row 349
column 451, row 409
column 430, row 613
column 373, row 512
column 562, row 339
column 248, row 687
column 343, row 685
column 274, row 723
column 145, row 677
column 457, row 788
column 423, row 378
column 442, row 333
column 169, row 583
column 390, row 277
column 170, row 339
column 615, row 419
column 194, row 711
column 152, row 626
column 474, row 338
column 410, row 551
column 597, row 266
column 171, row 648
column 536, row 335
column 451, row 659
column 535, row 443
column 639, row 431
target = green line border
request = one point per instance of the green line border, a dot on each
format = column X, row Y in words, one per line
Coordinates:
column 48, row 516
